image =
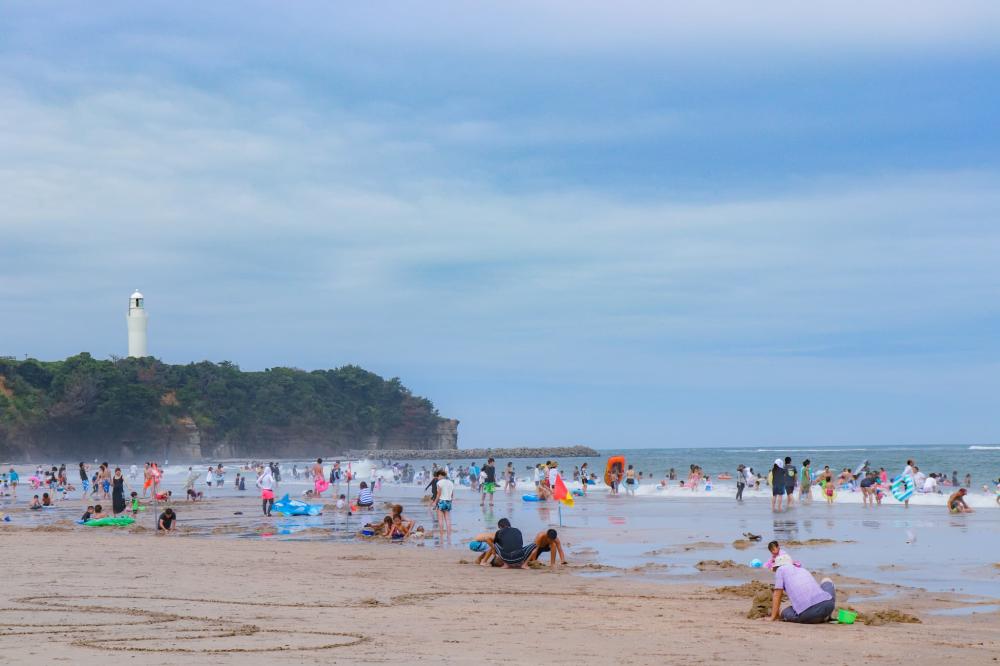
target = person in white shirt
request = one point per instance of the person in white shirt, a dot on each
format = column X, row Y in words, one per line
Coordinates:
column 553, row 473
column 445, row 497
column 908, row 471
column 930, row 484
column 265, row 481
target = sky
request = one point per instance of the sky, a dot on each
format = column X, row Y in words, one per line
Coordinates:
column 630, row 224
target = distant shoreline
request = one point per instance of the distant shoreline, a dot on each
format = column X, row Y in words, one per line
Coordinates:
column 472, row 454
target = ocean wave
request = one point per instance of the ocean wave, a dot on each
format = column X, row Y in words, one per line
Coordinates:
column 804, row 450
column 984, row 448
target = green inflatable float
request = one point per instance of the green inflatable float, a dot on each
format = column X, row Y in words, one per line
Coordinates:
column 120, row 521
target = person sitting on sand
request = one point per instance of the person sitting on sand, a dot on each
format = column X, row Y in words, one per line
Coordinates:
column 194, row 495
column 164, row 497
column 35, row 503
column 508, row 544
column 810, row 603
column 46, row 500
column 365, row 498
column 397, row 512
column 956, row 502
column 548, row 542
column 342, row 502
column 98, row 513
column 166, row 521
column 398, row 530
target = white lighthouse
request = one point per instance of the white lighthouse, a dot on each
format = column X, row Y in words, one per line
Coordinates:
column 136, row 326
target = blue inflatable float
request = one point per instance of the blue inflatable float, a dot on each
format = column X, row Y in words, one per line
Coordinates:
column 530, row 498
column 290, row 507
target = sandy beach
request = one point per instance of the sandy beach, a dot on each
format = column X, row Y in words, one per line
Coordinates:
column 87, row 597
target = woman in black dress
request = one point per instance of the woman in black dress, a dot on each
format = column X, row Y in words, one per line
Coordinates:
column 118, row 485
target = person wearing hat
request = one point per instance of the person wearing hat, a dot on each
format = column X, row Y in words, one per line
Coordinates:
column 811, row 603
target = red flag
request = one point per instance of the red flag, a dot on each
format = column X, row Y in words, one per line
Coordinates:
column 560, row 492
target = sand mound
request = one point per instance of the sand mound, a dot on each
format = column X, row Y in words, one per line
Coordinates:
column 811, row 542
column 713, row 565
column 742, row 544
column 885, row 616
column 746, row 589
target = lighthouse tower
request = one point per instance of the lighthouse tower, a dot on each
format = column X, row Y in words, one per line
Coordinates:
column 136, row 326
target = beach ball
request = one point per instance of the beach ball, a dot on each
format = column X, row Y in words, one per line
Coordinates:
column 756, row 564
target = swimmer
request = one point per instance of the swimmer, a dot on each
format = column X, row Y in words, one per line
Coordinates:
column 166, row 521
column 548, row 542
column 956, row 502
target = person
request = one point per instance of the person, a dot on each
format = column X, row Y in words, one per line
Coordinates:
column 968, row 481
column 191, row 478
column 810, row 603
column 909, row 471
column 265, row 481
column 805, row 481
column 777, row 484
column 319, row 481
column 868, row 489
column 366, row 499
column 584, row 478
column 210, row 477
column 741, row 482
column 46, row 500
column 445, row 497
column 930, row 484
column 548, row 542
column 98, row 513
column 166, row 521
column 508, row 545
column 220, row 476
column 776, row 551
column 35, row 503
column 827, row 484
column 630, row 480
column 194, row 495
column 790, row 479
column 397, row 512
column 118, row 493
column 956, row 502
column 341, row 502
column 135, row 504
column 510, row 480
column 87, row 514
column 398, row 530
column 489, row 484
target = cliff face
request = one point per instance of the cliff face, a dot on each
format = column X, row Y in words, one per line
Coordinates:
column 140, row 408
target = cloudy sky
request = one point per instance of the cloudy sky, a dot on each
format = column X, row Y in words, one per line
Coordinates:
column 618, row 224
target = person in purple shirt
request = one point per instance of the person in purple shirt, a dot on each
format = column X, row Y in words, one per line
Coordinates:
column 811, row 603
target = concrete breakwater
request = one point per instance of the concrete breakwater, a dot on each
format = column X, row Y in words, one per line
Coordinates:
column 448, row 455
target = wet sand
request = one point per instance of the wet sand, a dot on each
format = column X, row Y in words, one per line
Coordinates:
column 87, row 597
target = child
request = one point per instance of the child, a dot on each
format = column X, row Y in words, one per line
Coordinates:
column 98, row 513
column 397, row 530
column 46, row 500
column 341, row 502
column 86, row 514
column 775, row 549
column 35, row 503
column 708, row 484
column 135, row 504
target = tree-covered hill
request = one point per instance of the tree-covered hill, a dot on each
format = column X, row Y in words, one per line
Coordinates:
column 143, row 407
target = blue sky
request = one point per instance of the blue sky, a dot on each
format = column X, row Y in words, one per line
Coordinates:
column 645, row 224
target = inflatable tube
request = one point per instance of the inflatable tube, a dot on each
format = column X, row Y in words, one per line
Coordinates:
column 614, row 462
column 902, row 488
column 120, row 521
column 530, row 498
column 577, row 492
column 290, row 507
column 478, row 546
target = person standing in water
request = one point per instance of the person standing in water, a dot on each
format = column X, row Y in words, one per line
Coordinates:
column 805, row 481
column 909, row 471
column 445, row 497
column 265, row 481
column 630, row 480
column 777, row 484
column 118, row 484
column 741, row 482
column 790, row 474
column 489, row 484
